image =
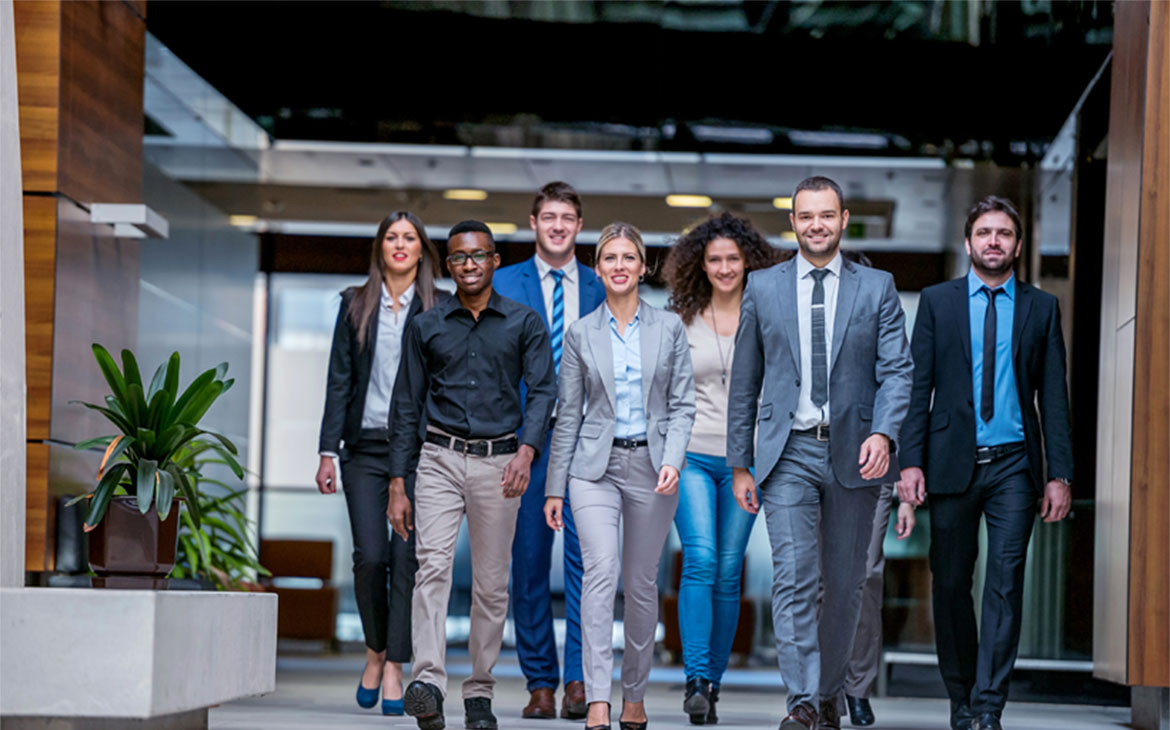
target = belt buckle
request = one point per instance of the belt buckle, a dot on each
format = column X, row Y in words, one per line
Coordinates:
column 986, row 458
column 819, row 427
column 460, row 441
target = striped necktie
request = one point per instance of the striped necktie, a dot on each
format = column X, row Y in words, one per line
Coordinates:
column 557, row 320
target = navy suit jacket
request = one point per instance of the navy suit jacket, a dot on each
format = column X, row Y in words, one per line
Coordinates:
column 522, row 282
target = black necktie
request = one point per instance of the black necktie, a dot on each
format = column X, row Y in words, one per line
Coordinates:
column 820, row 360
column 987, row 405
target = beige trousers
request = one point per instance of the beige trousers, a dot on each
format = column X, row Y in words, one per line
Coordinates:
column 449, row 486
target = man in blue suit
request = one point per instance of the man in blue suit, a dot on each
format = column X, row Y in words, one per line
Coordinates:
column 562, row 290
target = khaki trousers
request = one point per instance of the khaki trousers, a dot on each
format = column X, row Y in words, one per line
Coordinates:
column 449, row 486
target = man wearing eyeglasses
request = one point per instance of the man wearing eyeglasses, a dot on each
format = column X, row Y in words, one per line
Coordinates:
column 457, row 398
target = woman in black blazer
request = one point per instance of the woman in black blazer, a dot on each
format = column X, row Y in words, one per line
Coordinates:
column 367, row 345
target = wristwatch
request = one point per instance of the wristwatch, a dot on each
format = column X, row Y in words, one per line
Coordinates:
column 1062, row 480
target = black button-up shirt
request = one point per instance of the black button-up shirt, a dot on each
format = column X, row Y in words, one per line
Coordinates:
column 463, row 375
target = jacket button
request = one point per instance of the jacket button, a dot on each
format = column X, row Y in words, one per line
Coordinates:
column 791, row 414
column 798, row 382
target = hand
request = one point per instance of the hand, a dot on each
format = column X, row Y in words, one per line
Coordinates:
column 518, row 472
column 398, row 510
column 552, row 512
column 326, row 476
column 912, row 486
column 667, row 480
column 743, row 484
column 1057, row 501
column 875, row 456
column 906, row 520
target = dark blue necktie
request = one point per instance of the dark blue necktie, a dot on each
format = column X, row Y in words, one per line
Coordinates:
column 820, row 359
column 557, row 320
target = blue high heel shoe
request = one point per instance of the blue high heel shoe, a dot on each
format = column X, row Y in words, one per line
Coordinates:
column 367, row 698
column 394, row 707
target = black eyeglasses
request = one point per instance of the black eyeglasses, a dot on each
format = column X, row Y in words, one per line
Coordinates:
column 460, row 258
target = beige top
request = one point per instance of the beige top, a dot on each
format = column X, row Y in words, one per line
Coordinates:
column 709, row 434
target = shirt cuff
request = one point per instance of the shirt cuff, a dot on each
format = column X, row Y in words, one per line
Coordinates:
column 330, row 454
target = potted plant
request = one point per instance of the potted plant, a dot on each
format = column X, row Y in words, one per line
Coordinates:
column 132, row 516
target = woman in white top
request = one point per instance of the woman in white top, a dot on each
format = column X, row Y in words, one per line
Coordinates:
column 705, row 271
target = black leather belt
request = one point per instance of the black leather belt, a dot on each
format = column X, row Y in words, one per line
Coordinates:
column 988, row 454
column 375, row 434
column 477, row 447
column 630, row 443
column 552, row 423
column 820, row 432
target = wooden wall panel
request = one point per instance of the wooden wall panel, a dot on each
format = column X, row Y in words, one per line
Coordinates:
column 96, row 301
column 40, row 253
column 102, row 66
column 1149, row 574
column 38, row 62
column 36, row 515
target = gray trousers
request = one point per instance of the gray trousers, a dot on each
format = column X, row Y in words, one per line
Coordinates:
column 450, row 485
column 803, row 501
column 862, row 670
column 624, row 495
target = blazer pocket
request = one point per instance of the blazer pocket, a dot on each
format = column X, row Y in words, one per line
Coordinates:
column 765, row 411
column 865, row 413
column 590, row 430
column 939, row 421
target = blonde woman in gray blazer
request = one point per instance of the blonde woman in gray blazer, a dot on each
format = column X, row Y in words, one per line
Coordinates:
column 625, row 409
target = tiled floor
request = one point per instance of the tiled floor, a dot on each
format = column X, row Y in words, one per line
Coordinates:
column 318, row 693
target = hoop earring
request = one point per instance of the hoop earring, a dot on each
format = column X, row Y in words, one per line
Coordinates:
column 641, row 278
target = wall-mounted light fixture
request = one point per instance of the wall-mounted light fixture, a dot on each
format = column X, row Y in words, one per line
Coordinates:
column 464, row 194
column 501, row 229
column 130, row 220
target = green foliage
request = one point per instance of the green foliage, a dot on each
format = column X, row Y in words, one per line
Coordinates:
column 158, row 438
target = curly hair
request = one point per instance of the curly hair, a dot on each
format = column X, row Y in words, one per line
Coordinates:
column 690, row 289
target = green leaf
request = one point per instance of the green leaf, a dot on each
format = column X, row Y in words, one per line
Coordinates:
column 102, row 495
column 189, row 494
column 102, row 441
column 221, row 370
column 196, row 386
column 110, row 370
column 157, row 382
column 122, row 424
column 146, row 437
column 147, row 468
column 231, row 461
column 117, row 451
column 172, row 381
column 136, row 404
column 166, row 493
column 227, row 385
column 222, row 439
column 78, row 498
column 130, row 369
column 198, row 405
column 117, row 406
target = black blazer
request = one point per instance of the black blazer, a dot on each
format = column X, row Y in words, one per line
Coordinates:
column 939, row 436
column 349, row 374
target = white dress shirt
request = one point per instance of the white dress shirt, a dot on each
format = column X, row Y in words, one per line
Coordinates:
column 807, row 414
column 571, row 289
column 387, row 353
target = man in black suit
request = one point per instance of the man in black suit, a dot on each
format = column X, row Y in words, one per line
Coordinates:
column 979, row 443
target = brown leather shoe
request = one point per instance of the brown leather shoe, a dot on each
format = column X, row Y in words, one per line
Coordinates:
column 830, row 715
column 573, row 706
column 802, row 717
column 542, row 705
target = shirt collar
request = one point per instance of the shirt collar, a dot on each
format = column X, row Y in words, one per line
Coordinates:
column 543, row 268
column 403, row 298
column 803, row 266
column 494, row 304
column 975, row 284
column 613, row 319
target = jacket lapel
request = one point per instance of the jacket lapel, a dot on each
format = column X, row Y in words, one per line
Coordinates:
column 532, row 292
column 962, row 314
column 1020, row 314
column 602, row 352
column 590, row 292
column 649, row 341
column 846, row 297
column 787, row 302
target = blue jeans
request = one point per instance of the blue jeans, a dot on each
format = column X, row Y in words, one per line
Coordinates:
column 714, row 531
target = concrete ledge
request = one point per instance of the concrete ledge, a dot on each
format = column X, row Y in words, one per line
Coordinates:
column 85, row 653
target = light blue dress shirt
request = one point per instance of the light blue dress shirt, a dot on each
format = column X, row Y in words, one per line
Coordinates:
column 627, row 378
column 1007, row 425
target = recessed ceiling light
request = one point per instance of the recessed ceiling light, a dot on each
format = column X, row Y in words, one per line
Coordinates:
column 688, row 201
column 788, row 236
column 502, row 229
column 784, row 203
column 242, row 221
column 464, row 194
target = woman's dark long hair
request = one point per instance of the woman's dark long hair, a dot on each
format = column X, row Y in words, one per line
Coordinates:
column 690, row 289
column 367, row 297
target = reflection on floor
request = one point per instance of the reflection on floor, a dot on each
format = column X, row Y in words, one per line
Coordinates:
column 317, row 692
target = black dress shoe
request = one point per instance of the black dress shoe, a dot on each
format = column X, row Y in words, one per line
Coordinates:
column 961, row 716
column 860, row 713
column 986, row 721
column 424, row 702
column 697, row 700
column 478, row 714
column 829, row 716
column 712, row 718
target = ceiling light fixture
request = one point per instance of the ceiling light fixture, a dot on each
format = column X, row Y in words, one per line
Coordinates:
column 784, row 203
column 501, row 229
column 242, row 221
column 465, row 194
column 688, row 201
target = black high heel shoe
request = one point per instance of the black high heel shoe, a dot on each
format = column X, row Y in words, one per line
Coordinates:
column 697, row 700
column 629, row 724
column 606, row 726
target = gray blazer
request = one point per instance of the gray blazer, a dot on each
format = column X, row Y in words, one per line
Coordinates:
column 586, row 413
column 869, row 378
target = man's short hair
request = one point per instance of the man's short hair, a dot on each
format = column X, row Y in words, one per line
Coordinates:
column 989, row 204
column 818, row 182
column 472, row 227
column 556, row 191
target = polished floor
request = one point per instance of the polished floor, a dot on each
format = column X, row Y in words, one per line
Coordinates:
column 317, row 692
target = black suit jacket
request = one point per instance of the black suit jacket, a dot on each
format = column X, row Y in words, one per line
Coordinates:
column 349, row 375
column 939, row 433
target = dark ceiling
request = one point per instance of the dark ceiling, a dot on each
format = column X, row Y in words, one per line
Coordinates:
column 992, row 81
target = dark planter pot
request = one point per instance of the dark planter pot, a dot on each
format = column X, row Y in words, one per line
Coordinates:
column 129, row 543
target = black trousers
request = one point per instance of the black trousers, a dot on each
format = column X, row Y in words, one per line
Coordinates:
column 383, row 563
column 976, row 669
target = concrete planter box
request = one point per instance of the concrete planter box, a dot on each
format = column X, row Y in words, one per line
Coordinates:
column 133, row 655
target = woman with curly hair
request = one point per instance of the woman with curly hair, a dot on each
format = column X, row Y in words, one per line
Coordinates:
column 705, row 271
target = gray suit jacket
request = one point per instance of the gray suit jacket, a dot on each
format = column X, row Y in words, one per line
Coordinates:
column 869, row 377
column 586, row 411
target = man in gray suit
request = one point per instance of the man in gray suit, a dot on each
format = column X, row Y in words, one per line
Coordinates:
column 821, row 358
